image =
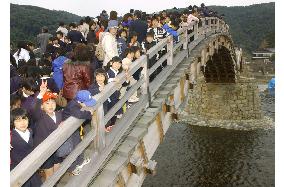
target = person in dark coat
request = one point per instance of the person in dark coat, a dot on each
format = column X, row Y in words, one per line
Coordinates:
column 21, row 143
column 100, row 81
column 114, row 70
column 47, row 120
column 91, row 36
column 28, row 93
column 146, row 45
column 138, row 26
column 75, row 35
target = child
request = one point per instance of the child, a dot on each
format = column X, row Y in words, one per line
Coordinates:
column 47, row 120
column 21, row 142
column 61, row 39
column 121, row 42
column 146, row 45
column 55, row 42
column 133, row 39
column 57, row 66
column 101, row 79
column 82, row 99
column 126, row 62
column 68, row 44
column 15, row 101
column 113, row 71
column 137, row 54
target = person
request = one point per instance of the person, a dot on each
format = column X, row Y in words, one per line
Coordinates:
column 68, row 44
column 42, row 39
column 82, row 99
column 60, row 37
column 62, row 29
column 127, row 20
column 146, row 45
column 139, row 26
column 133, row 40
column 30, row 48
column 191, row 20
column 114, row 70
column 121, row 41
column 126, row 62
column 50, row 48
column 57, row 67
column 77, row 73
column 22, row 53
column 102, row 27
column 21, row 143
column 113, row 16
column 104, row 15
column 55, row 42
column 15, row 101
column 28, row 93
column 47, row 120
column 84, row 28
column 109, row 42
column 91, row 36
column 159, row 32
column 172, row 30
column 137, row 55
column 74, row 35
column 99, row 84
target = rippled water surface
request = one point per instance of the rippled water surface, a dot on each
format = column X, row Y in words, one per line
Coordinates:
column 201, row 156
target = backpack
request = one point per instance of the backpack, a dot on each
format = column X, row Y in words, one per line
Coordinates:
column 100, row 53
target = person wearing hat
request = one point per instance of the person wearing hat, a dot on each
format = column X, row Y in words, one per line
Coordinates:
column 109, row 42
column 82, row 99
column 42, row 39
column 47, row 120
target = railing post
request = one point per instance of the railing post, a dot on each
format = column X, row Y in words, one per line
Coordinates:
column 209, row 24
column 186, row 38
column 170, row 46
column 99, row 126
column 218, row 24
column 195, row 31
column 145, row 73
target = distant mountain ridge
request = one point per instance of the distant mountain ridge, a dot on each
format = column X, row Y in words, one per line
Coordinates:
column 249, row 25
column 26, row 21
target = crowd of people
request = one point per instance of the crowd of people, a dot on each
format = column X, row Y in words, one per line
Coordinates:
column 75, row 64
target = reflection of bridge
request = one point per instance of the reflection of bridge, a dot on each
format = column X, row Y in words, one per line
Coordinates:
column 123, row 156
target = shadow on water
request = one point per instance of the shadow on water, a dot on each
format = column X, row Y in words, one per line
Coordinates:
column 208, row 157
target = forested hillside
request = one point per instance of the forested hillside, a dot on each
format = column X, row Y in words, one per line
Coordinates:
column 26, row 21
column 250, row 25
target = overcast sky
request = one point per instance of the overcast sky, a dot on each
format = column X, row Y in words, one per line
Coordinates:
column 94, row 7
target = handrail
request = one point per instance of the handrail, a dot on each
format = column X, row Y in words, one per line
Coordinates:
column 29, row 165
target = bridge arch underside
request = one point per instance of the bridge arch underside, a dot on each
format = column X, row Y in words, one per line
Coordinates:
column 220, row 68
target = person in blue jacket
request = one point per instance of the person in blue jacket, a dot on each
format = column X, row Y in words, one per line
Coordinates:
column 271, row 86
column 57, row 67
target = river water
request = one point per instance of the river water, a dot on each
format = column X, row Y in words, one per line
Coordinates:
column 207, row 157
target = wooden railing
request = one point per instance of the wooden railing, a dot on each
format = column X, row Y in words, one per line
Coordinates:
column 105, row 143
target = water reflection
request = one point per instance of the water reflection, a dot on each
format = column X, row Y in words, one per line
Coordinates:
column 201, row 156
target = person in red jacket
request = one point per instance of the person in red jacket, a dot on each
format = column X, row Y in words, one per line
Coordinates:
column 77, row 73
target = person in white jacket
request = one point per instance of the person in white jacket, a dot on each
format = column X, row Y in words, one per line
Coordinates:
column 22, row 53
column 191, row 19
column 109, row 42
